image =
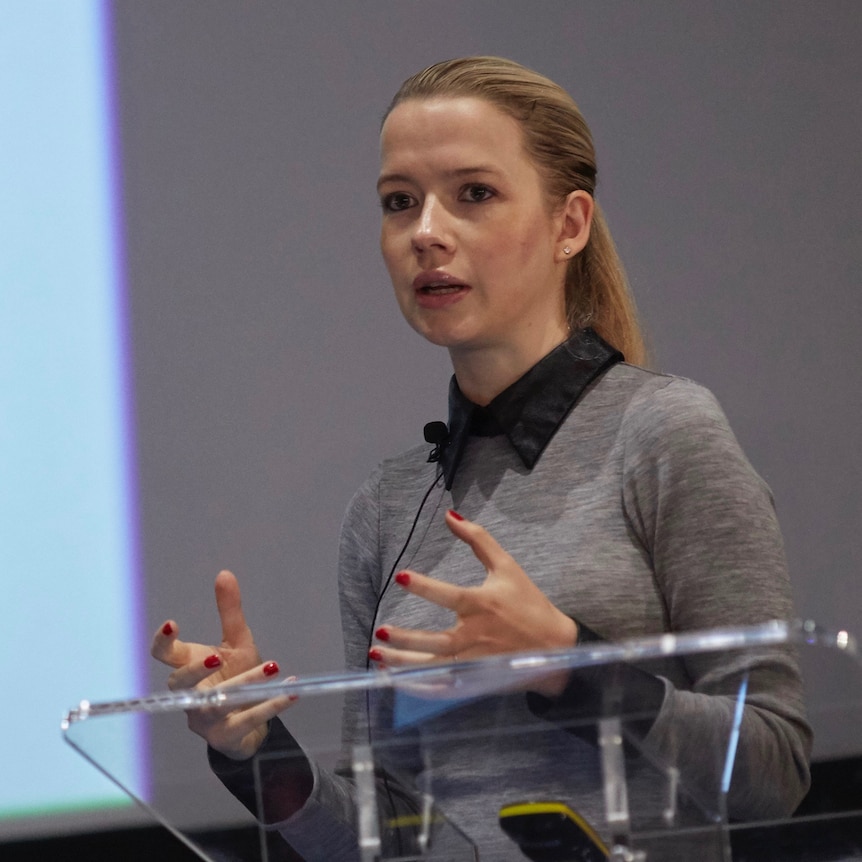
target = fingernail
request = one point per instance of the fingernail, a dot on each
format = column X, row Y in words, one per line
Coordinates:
column 375, row 655
column 212, row 661
column 402, row 578
column 455, row 515
column 270, row 668
column 381, row 635
column 167, row 629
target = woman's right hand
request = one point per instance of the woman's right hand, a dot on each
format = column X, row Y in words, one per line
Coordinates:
column 236, row 733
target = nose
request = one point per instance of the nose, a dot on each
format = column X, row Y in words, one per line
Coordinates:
column 433, row 228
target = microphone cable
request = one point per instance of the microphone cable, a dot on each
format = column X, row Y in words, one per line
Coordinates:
column 439, row 444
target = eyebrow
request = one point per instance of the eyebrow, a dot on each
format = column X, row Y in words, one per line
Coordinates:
column 471, row 170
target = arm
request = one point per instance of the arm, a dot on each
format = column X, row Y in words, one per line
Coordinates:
column 235, row 736
column 325, row 827
column 707, row 521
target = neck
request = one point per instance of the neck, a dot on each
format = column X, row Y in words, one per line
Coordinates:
column 484, row 372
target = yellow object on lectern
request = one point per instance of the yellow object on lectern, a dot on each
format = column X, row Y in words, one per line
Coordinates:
column 552, row 831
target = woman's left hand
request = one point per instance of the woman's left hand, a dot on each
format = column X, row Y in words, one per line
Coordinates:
column 507, row 613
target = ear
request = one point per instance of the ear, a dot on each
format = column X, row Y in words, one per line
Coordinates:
column 576, row 217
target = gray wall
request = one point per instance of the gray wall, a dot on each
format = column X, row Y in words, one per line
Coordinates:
column 272, row 369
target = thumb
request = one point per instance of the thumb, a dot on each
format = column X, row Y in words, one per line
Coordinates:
column 234, row 629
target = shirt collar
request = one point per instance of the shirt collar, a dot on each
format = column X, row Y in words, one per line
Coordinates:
column 530, row 410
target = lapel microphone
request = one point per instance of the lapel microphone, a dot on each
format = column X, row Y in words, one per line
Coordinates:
column 438, row 434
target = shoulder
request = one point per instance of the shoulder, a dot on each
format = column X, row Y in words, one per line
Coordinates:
column 652, row 394
column 663, row 411
column 392, row 478
column 648, row 411
column 678, row 447
column 671, row 432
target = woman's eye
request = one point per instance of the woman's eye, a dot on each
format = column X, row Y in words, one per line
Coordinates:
column 476, row 192
column 396, row 202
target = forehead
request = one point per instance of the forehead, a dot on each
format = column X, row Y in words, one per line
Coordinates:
column 448, row 133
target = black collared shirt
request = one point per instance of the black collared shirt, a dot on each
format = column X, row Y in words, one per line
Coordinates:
column 530, row 411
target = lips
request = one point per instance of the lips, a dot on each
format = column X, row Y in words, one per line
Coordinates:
column 440, row 289
column 436, row 282
column 436, row 288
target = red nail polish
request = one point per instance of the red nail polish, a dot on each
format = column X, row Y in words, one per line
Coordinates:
column 381, row 635
column 270, row 668
column 375, row 655
column 212, row 661
column 455, row 515
column 402, row 578
column 167, row 629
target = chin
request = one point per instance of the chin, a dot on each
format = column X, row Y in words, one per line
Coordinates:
column 443, row 336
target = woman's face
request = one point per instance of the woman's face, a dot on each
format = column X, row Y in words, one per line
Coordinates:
column 472, row 247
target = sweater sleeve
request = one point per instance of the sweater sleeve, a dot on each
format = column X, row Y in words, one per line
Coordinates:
column 708, row 523
column 323, row 827
column 326, row 827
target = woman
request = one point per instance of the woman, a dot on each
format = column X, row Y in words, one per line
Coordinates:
column 577, row 496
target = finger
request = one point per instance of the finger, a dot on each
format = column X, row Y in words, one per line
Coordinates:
column 226, row 726
column 388, row 657
column 243, row 721
column 196, row 672
column 235, row 630
column 483, row 545
column 418, row 640
column 265, row 671
column 163, row 641
column 225, row 732
column 193, row 673
column 449, row 596
column 167, row 648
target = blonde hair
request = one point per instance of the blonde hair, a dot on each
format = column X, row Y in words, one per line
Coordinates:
column 558, row 140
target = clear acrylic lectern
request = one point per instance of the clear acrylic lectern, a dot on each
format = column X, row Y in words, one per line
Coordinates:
column 465, row 761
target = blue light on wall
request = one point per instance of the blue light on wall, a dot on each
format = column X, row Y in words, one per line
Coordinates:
column 69, row 611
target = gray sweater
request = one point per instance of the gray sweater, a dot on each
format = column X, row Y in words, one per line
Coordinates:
column 641, row 516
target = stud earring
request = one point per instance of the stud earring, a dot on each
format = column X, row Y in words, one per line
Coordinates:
column 567, row 250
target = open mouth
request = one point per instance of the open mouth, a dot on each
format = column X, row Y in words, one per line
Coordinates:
column 440, row 289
